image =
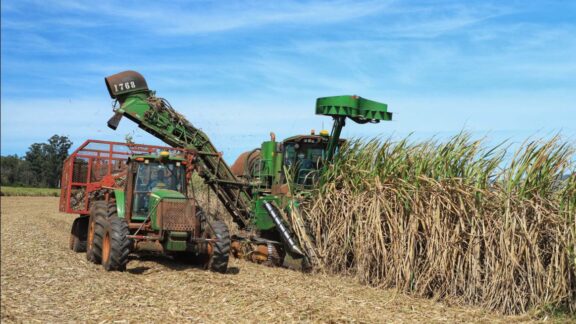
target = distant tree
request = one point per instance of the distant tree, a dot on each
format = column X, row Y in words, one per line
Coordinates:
column 46, row 160
column 16, row 171
column 58, row 147
column 8, row 169
column 25, row 175
column 37, row 160
column 40, row 167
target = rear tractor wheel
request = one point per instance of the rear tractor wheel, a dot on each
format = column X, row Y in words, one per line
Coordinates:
column 79, row 234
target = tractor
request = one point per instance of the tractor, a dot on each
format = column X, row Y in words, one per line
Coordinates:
column 140, row 204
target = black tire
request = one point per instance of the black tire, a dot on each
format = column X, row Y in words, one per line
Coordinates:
column 98, row 214
column 99, row 226
column 78, row 234
column 218, row 259
column 115, row 244
column 112, row 209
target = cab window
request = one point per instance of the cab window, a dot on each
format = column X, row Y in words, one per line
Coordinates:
column 304, row 160
column 153, row 175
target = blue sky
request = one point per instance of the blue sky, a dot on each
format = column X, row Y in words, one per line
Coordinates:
column 240, row 69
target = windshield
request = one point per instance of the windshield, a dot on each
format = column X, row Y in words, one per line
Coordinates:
column 161, row 176
column 154, row 175
column 304, row 161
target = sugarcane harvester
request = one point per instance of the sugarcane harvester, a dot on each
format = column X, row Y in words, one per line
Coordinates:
column 258, row 190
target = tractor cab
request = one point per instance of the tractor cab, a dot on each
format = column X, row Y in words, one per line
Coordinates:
column 152, row 179
column 300, row 159
column 304, row 157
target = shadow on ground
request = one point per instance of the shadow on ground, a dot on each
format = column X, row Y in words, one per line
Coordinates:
column 169, row 262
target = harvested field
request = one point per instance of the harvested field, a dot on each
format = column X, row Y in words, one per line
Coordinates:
column 43, row 280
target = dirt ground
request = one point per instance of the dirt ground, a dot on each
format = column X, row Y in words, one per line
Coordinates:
column 42, row 280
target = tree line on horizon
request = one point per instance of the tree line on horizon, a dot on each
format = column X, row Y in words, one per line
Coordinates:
column 40, row 166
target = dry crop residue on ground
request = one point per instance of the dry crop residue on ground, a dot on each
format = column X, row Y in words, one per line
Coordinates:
column 43, row 280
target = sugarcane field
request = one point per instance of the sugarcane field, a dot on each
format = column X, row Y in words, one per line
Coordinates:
column 297, row 161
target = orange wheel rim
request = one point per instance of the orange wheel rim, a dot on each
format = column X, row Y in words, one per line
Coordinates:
column 209, row 246
column 106, row 248
column 90, row 235
column 210, row 249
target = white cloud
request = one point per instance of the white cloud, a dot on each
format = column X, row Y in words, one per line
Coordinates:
column 188, row 18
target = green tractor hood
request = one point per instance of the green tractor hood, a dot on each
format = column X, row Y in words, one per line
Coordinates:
column 166, row 193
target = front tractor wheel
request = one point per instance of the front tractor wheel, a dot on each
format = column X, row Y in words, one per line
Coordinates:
column 218, row 250
column 115, row 244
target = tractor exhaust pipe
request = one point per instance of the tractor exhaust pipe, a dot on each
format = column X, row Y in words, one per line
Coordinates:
column 284, row 231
